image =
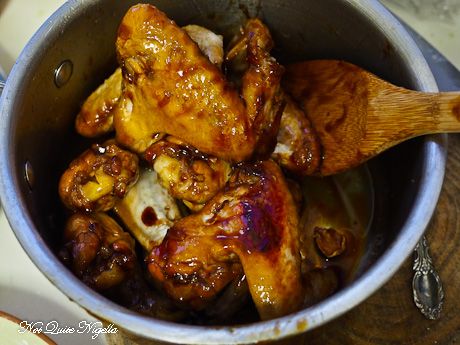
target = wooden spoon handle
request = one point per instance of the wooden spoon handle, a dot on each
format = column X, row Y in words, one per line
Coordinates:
column 411, row 113
column 399, row 114
column 448, row 111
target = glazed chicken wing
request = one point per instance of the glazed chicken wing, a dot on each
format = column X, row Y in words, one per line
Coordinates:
column 253, row 222
column 297, row 148
column 260, row 84
column 170, row 87
column 98, row 250
column 188, row 174
column 191, row 266
column 96, row 115
column 98, row 178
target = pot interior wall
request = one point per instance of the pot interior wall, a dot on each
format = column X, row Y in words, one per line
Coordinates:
column 44, row 134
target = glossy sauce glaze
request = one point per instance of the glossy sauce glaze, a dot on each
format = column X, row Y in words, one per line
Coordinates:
column 149, row 216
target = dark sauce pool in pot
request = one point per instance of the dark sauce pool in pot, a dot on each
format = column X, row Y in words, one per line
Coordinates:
column 341, row 205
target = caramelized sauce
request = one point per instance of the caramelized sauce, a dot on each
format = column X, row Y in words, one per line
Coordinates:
column 149, row 217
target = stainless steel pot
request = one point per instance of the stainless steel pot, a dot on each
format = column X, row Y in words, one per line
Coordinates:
column 37, row 138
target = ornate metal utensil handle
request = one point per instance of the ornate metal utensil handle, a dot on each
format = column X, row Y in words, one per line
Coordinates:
column 2, row 82
column 426, row 284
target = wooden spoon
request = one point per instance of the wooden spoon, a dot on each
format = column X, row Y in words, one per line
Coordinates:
column 357, row 115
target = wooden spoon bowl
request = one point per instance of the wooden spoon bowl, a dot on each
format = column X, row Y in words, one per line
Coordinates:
column 357, row 115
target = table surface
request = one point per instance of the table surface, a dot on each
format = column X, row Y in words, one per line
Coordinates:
column 388, row 317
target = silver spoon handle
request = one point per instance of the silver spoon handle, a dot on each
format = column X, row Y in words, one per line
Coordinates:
column 426, row 284
column 2, row 81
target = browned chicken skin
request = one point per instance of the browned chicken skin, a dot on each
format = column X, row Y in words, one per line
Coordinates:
column 98, row 178
column 188, row 175
column 171, row 87
column 96, row 115
column 297, row 148
column 253, row 221
column 192, row 267
column 98, row 250
column 260, row 87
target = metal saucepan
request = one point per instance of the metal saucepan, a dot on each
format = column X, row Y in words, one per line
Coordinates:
column 37, row 138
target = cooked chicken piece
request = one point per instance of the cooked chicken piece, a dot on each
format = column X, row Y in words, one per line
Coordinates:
column 210, row 44
column 297, row 149
column 171, row 87
column 96, row 115
column 331, row 242
column 189, row 175
column 98, row 250
column 253, row 221
column 148, row 210
column 195, row 277
column 98, row 178
column 260, row 87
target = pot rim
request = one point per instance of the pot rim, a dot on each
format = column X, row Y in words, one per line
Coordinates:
column 435, row 147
